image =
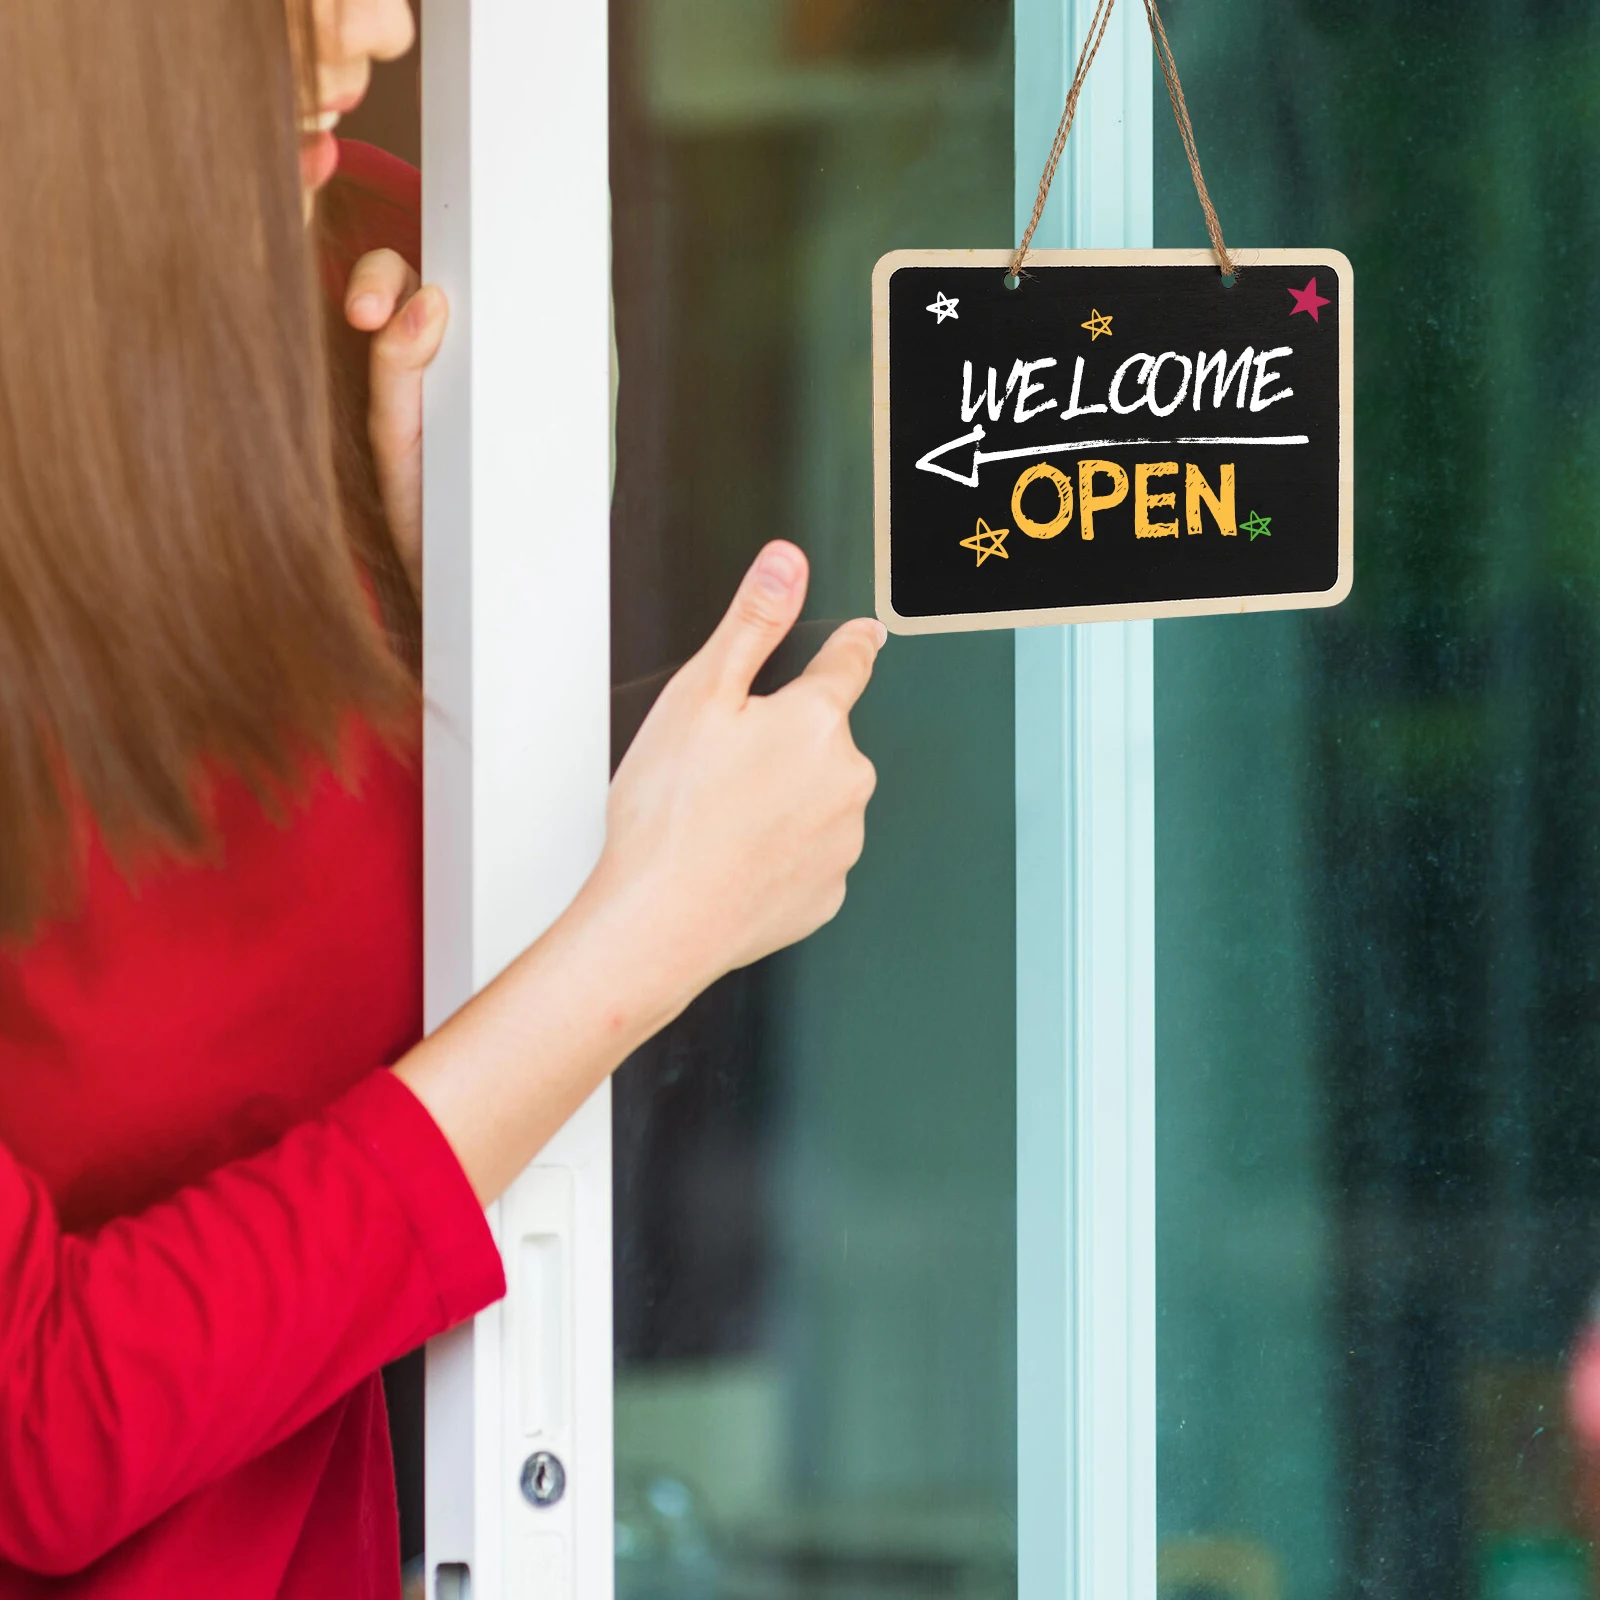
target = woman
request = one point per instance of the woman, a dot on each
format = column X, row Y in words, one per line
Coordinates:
column 220, row 1210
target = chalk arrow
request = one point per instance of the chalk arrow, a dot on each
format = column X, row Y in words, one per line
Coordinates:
column 929, row 462
column 926, row 464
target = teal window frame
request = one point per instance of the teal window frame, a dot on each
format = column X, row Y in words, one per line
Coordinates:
column 1086, row 1482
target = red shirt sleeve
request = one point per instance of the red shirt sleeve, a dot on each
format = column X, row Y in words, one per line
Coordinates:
column 145, row 1361
column 374, row 202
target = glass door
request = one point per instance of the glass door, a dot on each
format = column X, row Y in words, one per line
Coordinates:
column 815, row 1169
column 858, row 1256
column 1378, row 846
column 1269, row 940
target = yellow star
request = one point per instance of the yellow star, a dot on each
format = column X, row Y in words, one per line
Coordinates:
column 1097, row 324
column 988, row 542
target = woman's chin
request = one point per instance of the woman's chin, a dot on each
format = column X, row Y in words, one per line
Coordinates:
column 319, row 160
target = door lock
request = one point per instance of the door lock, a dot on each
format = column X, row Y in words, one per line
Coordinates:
column 544, row 1479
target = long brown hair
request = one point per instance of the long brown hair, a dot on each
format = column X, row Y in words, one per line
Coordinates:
column 180, row 586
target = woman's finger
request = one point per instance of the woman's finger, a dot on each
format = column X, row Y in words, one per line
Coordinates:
column 842, row 668
column 380, row 282
column 763, row 611
column 400, row 355
column 401, row 352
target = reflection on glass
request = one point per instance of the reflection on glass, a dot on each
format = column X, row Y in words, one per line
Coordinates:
column 815, row 1171
column 1378, row 847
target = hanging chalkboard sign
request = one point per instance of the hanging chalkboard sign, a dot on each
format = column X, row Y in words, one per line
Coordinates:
column 1122, row 434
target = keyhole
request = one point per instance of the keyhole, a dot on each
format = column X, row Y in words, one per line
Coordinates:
column 544, row 1479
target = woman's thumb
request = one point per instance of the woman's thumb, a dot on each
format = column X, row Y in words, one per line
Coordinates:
column 763, row 611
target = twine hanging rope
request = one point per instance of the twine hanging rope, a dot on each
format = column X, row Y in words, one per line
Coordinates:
column 1180, row 110
column 1091, row 47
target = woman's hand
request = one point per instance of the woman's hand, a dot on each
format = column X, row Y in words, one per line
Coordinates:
column 733, row 821
column 734, row 817
column 407, row 321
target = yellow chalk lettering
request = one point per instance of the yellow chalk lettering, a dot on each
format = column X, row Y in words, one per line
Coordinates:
column 1089, row 501
column 1063, row 488
column 1196, row 489
column 1144, row 502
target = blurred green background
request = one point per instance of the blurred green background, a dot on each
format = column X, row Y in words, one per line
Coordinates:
column 1378, row 840
column 815, row 1168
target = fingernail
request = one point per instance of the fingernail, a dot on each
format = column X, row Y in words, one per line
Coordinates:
column 365, row 305
column 416, row 318
column 777, row 571
column 883, row 634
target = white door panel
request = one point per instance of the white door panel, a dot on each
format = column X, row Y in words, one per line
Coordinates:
column 516, row 613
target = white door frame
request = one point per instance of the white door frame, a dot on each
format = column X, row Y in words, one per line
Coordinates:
column 517, row 608
column 517, row 679
column 1086, row 1502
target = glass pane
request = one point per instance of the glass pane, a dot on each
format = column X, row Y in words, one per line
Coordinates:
column 815, row 1169
column 1378, row 842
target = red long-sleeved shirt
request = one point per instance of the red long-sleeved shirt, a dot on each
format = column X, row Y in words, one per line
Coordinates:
column 219, row 1215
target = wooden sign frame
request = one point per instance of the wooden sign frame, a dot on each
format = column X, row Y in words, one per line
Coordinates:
column 1000, row 260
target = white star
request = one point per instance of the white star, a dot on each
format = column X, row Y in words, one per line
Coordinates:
column 944, row 307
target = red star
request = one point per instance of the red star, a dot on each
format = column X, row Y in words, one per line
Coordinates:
column 1308, row 300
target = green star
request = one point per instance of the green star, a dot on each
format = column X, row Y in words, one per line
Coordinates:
column 1256, row 523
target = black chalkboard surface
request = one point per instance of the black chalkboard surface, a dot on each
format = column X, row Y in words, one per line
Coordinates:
column 1121, row 435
